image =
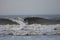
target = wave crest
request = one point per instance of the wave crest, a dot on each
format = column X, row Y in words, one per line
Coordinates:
column 38, row 20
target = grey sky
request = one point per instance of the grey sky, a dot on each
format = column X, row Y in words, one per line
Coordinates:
column 29, row 7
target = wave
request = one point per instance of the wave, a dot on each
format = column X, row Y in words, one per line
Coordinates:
column 29, row 26
column 28, row 20
column 38, row 20
column 11, row 21
column 4, row 21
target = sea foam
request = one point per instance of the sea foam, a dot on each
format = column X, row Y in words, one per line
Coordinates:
column 34, row 29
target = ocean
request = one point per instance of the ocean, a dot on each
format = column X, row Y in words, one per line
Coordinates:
column 54, row 37
column 37, row 37
column 23, row 16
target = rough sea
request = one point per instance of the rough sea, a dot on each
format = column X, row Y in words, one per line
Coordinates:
column 40, row 37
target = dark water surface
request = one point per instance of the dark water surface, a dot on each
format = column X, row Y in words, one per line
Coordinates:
column 22, row 16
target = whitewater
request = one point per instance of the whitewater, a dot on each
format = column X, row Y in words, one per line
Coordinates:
column 32, row 29
column 25, row 31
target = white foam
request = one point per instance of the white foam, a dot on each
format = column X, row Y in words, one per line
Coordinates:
column 30, row 29
column 19, row 21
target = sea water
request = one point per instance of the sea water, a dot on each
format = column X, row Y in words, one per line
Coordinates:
column 23, row 16
column 40, row 37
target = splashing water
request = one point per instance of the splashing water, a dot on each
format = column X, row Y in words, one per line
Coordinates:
column 21, row 23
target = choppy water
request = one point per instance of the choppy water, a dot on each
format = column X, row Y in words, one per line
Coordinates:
column 41, row 37
column 54, row 37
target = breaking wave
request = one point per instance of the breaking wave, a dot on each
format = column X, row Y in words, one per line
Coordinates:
column 29, row 26
column 38, row 20
column 28, row 20
column 11, row 21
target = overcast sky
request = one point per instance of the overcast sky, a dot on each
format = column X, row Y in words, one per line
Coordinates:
column 29, row 7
